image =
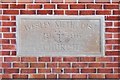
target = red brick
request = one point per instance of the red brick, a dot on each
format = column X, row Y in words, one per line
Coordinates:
column 62, row 6
column 25, row 1
column 13, row 53
column 4, row 17
column 13, row 41
column 94, row 6
column 88, row 70
column 5, row 53
column 13, row 29
column 57, row 70
column 6, row 65
column 70, row 59
column 27, row 12
column 13, row 17
column 6, row 76
column 105, row 70
column 116, row 47
column 58, row 12
column 8, row 47
column 56, row 59
column 11, row 59
column 28, row 70
column 102, row 1
column 3, row 6
column 104, row 59
column 96, row 65
column 116, row 23
column 70, row 1
column 52, row 76
column 44, row 12
column 108, row 23
column 79, row 76
column 111, row 6
column 43, row 70
column 9, row 24
column 87, row 12
column 10, row 12
column 112, row 41
column 71, row 12
column 103, row 12
column 8, row 1
column 44, row 59
column 42, row 1
column 57, row 1
column 79, row 64
column 108, row 35
column 17, row 6
column 116, row 59
column 28, row 59
column 112, row 65
column 112, row 53
column 37, row 76
column 108, row 47
column 87, row 59
column 5, row 29
column 64, row 76
column 51, row 65
column 71, row 70
column 112, row 29
column 5, row 41
column 116, row 12
column 85, row 1
column 112, row 76
column 116, row 70
column 34, row 6
column 49, row 6
column 112, row 18
column 37, row 65
column 96, row 76
column 20, row 76
column 64, row 65
column 20, row 65
column 11, row 70
column 77, row 6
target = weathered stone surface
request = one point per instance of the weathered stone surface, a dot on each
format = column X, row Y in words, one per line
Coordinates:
column 60, row 35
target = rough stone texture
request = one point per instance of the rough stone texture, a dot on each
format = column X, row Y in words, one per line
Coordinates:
column 59, row 36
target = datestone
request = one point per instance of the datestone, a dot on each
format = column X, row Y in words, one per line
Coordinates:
column 60, row 35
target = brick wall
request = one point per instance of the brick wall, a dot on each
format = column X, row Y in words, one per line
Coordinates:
column 13, row 67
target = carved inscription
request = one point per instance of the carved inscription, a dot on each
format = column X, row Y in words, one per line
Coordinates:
column 59, row 36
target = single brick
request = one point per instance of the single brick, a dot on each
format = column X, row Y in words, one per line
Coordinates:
column 5, row 29
column 104, row 59
column 20, row 76
column 49, row 6
column 88, row 70
column 37, row 65
column 44, row 12
column 77, row 6
column 44, row 59
column 108, row 24
column 42, row 1
column 71, row 70
column 43, row 70
column 37, row 76
column 96, row 64
column 4, row 17
column 79, row 65
column 8, row 23
column 27, row 12
column 57, row 70
column 28, row 70
column 64, row 65
column 105, row 70
column 79, row 76
column 62, row 6
column 112, row 41
column 17, row 6
column 3, row 6
column 8, row 47
column 10, row 12
column 94, row 6
column 28, row 59
column 70, row 59
column 52, row 76
column 5, row 41
column 64, row 76
column 111, row 6
column 112, row 76
column 6, row 76
column 11, row 70
column 51, row 65
column 112, row 64
column 96, row 76
column 71, row 12
column 20, row 65
column 87, row 12
column 34, row 6
column 112, row 53
column 6, row 65
column 87, row 59
column 112, row 18
column 116, row 12
column 103, row 12
column 56, row 59
column 108, row 35
column 57, row 1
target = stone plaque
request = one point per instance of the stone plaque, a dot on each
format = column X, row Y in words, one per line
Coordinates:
column 60, row 35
